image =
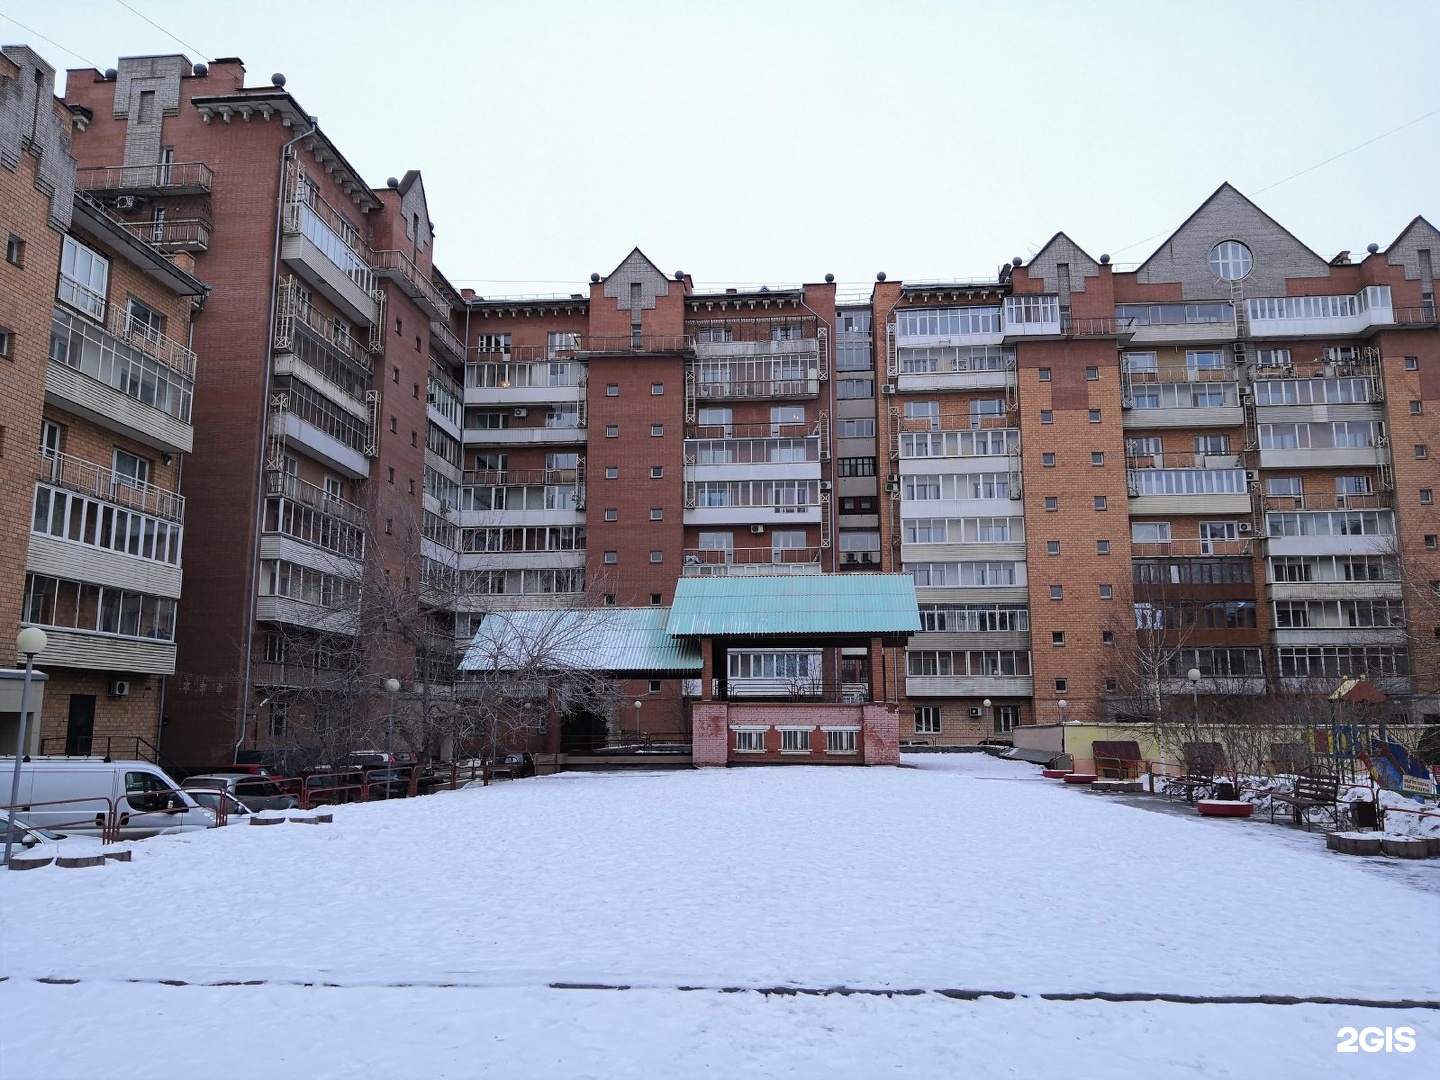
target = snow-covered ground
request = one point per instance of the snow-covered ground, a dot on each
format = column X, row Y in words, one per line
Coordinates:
column 961, row 873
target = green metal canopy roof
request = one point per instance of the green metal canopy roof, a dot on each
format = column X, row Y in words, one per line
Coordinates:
column 817, row 604
column 618, row 641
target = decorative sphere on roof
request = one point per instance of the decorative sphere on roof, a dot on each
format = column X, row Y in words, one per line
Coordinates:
column 1372, row 248
column 1017, row 261
column 392, row 183
column 679, row 275
column 595, row 279
column 202, row 69
column 829, row 279
column 110, row 73
column 1104, row 260
column 880, row 276
column 277, row 79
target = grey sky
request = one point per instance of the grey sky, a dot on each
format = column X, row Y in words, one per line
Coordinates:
column 772, row 142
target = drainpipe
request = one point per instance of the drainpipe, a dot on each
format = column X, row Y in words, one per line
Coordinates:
column 254, row 575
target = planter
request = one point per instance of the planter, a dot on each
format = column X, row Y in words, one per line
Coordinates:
column 1079, row 778
column 30, row 862
column 76, row 862
column 1355, row 843
column 1406, row 847
column 1224, row 808
column 1054, row 774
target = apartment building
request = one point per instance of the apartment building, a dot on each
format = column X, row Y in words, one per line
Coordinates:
column 330, row 390
column 95, row 426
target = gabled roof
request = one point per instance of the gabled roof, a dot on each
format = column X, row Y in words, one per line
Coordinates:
column 1059, row 238
column 616, row 641
column 814, row 604
column 1419, row 221
column 627, row 261
column 1223, row 189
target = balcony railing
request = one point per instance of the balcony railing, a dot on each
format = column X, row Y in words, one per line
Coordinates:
column 141, row 365
column 146, row 339
column 448, row 341
column 283, row 485
column 291, row 308
column 400, row 268
column 515, row 477
column 88, row 478
column 173, row 177
column 1330, row 500
column 751, row 556
column 1181, row 373
column 1189, row 548
column 180, row 234
column 1416, row 316
column 313, row 217
column 758, row 389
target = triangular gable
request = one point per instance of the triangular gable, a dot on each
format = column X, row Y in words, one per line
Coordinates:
column 1405, row 250
column 415, row 208
column 635, row 268
column 1058, row 250
column 1184, row 257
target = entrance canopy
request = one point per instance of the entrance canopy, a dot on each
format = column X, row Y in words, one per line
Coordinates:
column 623, row 642
column 815, row 605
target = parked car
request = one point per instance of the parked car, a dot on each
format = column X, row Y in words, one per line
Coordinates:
column 29, row 838
column 213, row 798
column 514, row 766
column 257, row 792
column 75, row 796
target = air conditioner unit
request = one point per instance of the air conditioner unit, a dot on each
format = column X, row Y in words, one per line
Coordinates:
column 125, row 202
column 889, row 388
column 1252, row 475
column 825, row 485
column 119, row 688
column 522, row 412
column 1246, row 527
column 757, row 529
column 974, row 710
column 1239, row 349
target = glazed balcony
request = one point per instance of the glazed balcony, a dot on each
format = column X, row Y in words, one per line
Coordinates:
column 1171, row 491
column 174, row 178
column 172, row 234
column 1175, row 323
column 398, row 267
column 283, row 485
column 1320, row 316
column 87, row 478
column 750, row 562
column 1032, row 316
column 95, row 651
column 325, row 249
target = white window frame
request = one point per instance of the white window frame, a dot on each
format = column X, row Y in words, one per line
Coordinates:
column 795, row 739
column 848, row 741
column 749, row 735
column 928, row 719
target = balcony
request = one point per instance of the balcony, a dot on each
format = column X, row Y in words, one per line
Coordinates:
column 88, row 478
column 1032, row 317
column 947, row 367
column 510, row 477
column 1320, row 316
column 442, row 337
column 283, row 485
column 172, row 234
column 75, row 561
column 750, row 562
column 522, row 381
column 175, row 178
column 526, row 436
column 300, row 677
column 1191, row 548
column 95, row 651
column 1329, row 500
column 806, row 386
column 292, row 612
column 398, row 267
column 1176, row 323
column 1337, row 532
column 1323, row 457
column 325, row 250
column 332, row 451
column 973, row 686
column 1188, row 491
column 119, row 385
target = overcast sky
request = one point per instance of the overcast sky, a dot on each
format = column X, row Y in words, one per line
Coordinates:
column 751, row 142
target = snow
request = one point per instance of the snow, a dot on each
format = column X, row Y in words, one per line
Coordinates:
column 961, row 872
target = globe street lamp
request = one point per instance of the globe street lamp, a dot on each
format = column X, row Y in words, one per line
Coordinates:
column 1062, row 705
column 638, row 703
column 1194, row 676
column 986, row 705
column 392, row 687
column 29, row 643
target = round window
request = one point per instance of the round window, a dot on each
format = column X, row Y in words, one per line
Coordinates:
column 1230, row 260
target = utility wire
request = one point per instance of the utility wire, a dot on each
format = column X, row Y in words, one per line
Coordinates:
column 162, row 29
column 51, row 41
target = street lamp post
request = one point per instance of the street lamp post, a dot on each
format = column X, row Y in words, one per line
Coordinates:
column 28, row 643
column 986, row 705
column 638, row 703
column 1062, row 705
column 392, row 687
column 1194, row 676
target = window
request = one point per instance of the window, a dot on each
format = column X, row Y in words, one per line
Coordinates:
column 130, row 469
column 15, row 251
column 1092, row 374
column 612, row 472
column 612, row 514
column 1062, row 686
column 1102, row 547
column 1283, row 486
column 855, row 466
column 612, row 431
column 1142, row 363
column 794, row 740
column 1097, row 457
column 1057, row 639
column 1044, row 374
column 1421, row 451
column 657, row 389
column 84, row 278
column 1057, row 592
column 657, row 513
column 657, row 430
column 1107, row 637
column 1150, row 532
column 1047, row 460
column 1212, row 444
column 856, row 429
column 1094, row 416
column 854, row 388
column 1427, row 496
column 1417, row 408
column 1101, row 502
column 657, row 556
column 1007, row 718
column 780, row 415
column 923, row 412
column 657, row 472
column 611, row 558
column 1047, row 416
column 1412, row 364
column 1052, row 503
column 612, row 389
column 1230, row 260
column 609, row 599
column 7, row 341
column 1052, row 547
column 1431, row 541
column 750, row 742
column 1107, row 592
column 927, row 720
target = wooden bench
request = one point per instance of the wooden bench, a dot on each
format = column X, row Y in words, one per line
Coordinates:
column 1117, row 760
column 1313, row 790
column 1202, row 762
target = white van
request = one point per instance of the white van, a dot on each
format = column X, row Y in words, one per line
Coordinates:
column 147, row 801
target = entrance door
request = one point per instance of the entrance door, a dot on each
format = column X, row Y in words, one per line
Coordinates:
column 80, row 727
